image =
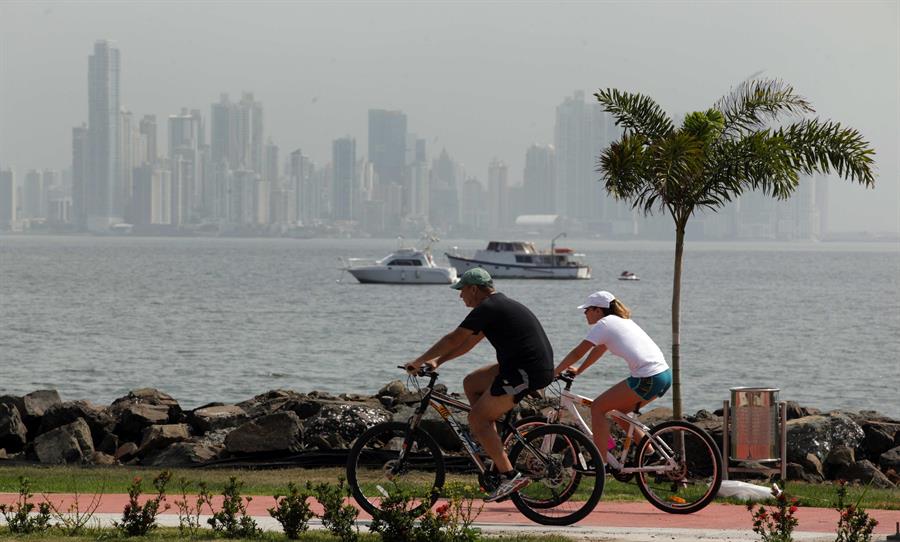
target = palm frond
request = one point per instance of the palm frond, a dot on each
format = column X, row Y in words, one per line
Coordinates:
column 623, row 167
column 635, row 112
column 757, row 161
column 820, row 146
column 752, row 104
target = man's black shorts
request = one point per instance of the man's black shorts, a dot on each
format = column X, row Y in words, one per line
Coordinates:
column 518, row 382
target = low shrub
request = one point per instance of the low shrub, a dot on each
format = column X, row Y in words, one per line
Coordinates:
column 139, row 519
column 232, row 520
column 854, row 523
column 337, row 516
column 19, row 517
column 292, row 511
column 189, row 512
column 776, row 523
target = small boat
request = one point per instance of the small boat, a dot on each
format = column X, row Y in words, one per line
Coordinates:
column 628, row 275
column 520, row 260
column 403, row 266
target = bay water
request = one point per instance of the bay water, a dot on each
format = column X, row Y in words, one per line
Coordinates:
column 223, row 319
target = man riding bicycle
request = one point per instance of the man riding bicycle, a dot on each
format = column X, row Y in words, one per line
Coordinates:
column 524, row 364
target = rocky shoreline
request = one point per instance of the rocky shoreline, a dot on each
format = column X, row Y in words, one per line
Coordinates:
column 282, row 427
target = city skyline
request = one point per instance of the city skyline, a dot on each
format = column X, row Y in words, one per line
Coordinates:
column 477, row 144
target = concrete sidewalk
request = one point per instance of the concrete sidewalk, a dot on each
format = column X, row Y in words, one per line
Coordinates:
column 615, row 521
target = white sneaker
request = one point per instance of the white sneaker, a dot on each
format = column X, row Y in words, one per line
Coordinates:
column 508, row 486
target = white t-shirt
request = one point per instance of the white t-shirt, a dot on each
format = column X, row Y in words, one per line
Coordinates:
column 625, row 339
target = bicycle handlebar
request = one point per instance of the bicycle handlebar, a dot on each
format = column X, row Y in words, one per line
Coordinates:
column 424, row 370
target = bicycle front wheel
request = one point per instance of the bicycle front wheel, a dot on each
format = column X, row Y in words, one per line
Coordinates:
column 376, row 470
column 566, row 474
column 692, row 481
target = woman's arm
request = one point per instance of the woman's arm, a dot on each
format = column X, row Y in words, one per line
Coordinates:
column 595, row 354
column 576, row 354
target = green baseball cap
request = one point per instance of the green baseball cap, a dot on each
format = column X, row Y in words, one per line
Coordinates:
column 475, row 276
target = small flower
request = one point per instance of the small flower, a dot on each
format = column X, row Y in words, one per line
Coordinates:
column 793, row 509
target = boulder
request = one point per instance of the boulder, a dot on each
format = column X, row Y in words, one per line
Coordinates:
column 148, row 397
column 865, row 472
column 67, row 444
column 185, row 454
column 133, row 418
column 109, row 444
column 126, row 452
column 796, row 471
column 656, row 416
column 102, row 459
column 794, row 410
column 13, row 433
column 879, row 437
column 394, row 388
column 60, row 414
column 840, row 458
column 434, row 425
column 268, row 403
column 213, row 418
column 813, row 466
column 346, row 421
column 820, row 434
column 32, row 406
column 276, row 433
column 157, row 437
column 890, row 459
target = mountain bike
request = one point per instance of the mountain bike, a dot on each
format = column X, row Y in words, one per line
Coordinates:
column 393, row 457
column 676, row 465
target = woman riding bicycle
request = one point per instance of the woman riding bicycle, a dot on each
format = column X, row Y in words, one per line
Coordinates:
column 613, row 330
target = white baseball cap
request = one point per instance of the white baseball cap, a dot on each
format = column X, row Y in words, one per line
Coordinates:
column 600, row 299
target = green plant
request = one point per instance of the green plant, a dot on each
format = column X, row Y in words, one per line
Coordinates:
column 74, row 520
column 189, row 513
column 292, row 511
column 854, row 523
column 19, row 518
column 450, row 521
column 463, row 509
column 396, row 522
column 337, row 516
column 232, row 520
column 740, row 144
column 139, row 519
column 776, row 523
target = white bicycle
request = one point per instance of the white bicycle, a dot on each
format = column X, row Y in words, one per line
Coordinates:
column 676, row 465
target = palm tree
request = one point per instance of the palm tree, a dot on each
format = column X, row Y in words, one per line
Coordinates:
column 742, row 143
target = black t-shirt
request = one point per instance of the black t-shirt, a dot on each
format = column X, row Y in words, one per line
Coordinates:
column 514, row 331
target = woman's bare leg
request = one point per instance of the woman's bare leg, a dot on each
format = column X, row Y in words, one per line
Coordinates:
column 619, row 397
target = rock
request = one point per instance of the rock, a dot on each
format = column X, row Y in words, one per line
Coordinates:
column 838, row 459
column 813, row 466
column 394, row 388
column 820, row 434
column 185, row 454
column 268, row 403
column 126, row 452
column 656, row 415
column 276, row 433
column 879, row 437
column 794, row 410
column 109, row 444
column 157, row 437
column 865, row 472
column 214, row 418
column 38, row 402
column 152, row 398
column 434, row 425
column 60, row 414
column 13, row 433
column 890, row 459
column 133, row 418
column 344, row 420
column 796, row 471
column 3, row 454
column 67, row 444
column 100, row 458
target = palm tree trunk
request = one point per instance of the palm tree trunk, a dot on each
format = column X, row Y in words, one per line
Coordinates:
column 680, row 225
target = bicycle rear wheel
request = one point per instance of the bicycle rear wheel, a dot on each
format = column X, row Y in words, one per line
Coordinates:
column 375, row 470
column 694, row 480
column 563, row 465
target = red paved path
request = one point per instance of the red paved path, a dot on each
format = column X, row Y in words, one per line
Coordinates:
column 612, row 514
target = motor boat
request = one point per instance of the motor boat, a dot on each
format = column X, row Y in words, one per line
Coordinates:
column 628, row 275
column 520, row 260
column 403, row 266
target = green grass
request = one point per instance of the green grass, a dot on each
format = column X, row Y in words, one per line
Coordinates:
column 268, row 482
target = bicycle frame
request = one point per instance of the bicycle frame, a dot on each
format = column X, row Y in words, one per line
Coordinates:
column 567, row 402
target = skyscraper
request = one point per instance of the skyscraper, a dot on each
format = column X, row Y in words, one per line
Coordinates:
column 147, row 130
column 443, row 199
column 185, row 137
column 387, row 147
column 7, row 198
column 343, row 184
column 80, row 158
column 33, row 195
column 104, row 193
column 498, row 195
column 539, row 180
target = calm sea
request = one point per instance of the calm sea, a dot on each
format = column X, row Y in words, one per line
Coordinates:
column 225, row 319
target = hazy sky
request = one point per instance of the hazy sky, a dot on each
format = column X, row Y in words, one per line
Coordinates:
column 481, row 79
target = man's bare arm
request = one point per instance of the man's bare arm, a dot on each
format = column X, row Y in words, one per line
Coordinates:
column 447, row 344
column 468, row 344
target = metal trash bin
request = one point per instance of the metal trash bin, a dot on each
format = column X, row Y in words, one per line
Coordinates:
column 755, row 430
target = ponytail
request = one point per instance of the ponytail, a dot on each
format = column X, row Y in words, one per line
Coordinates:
column 618, row 308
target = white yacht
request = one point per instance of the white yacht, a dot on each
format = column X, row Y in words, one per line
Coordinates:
column 520, row 260
column 403, row 266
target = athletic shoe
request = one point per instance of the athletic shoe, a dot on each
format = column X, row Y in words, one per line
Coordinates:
column 509, row 486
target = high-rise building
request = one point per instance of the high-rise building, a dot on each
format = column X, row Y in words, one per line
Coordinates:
column 7, row 198
column 185, row 139
column 343, row 185
column 387, row 147
column 147, row 129
column 581, row 132
column 443, row 199
column 33, row 195
column 473, row 207
column 498, row 195
column 305, row 194
column 80, row 159
column 104, row 192
column 539, row 180
column 417, row 190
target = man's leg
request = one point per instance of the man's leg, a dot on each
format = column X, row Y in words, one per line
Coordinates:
column 484, row 413
column 479, row 381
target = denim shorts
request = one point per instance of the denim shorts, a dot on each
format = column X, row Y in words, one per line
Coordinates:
column 651, row 387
